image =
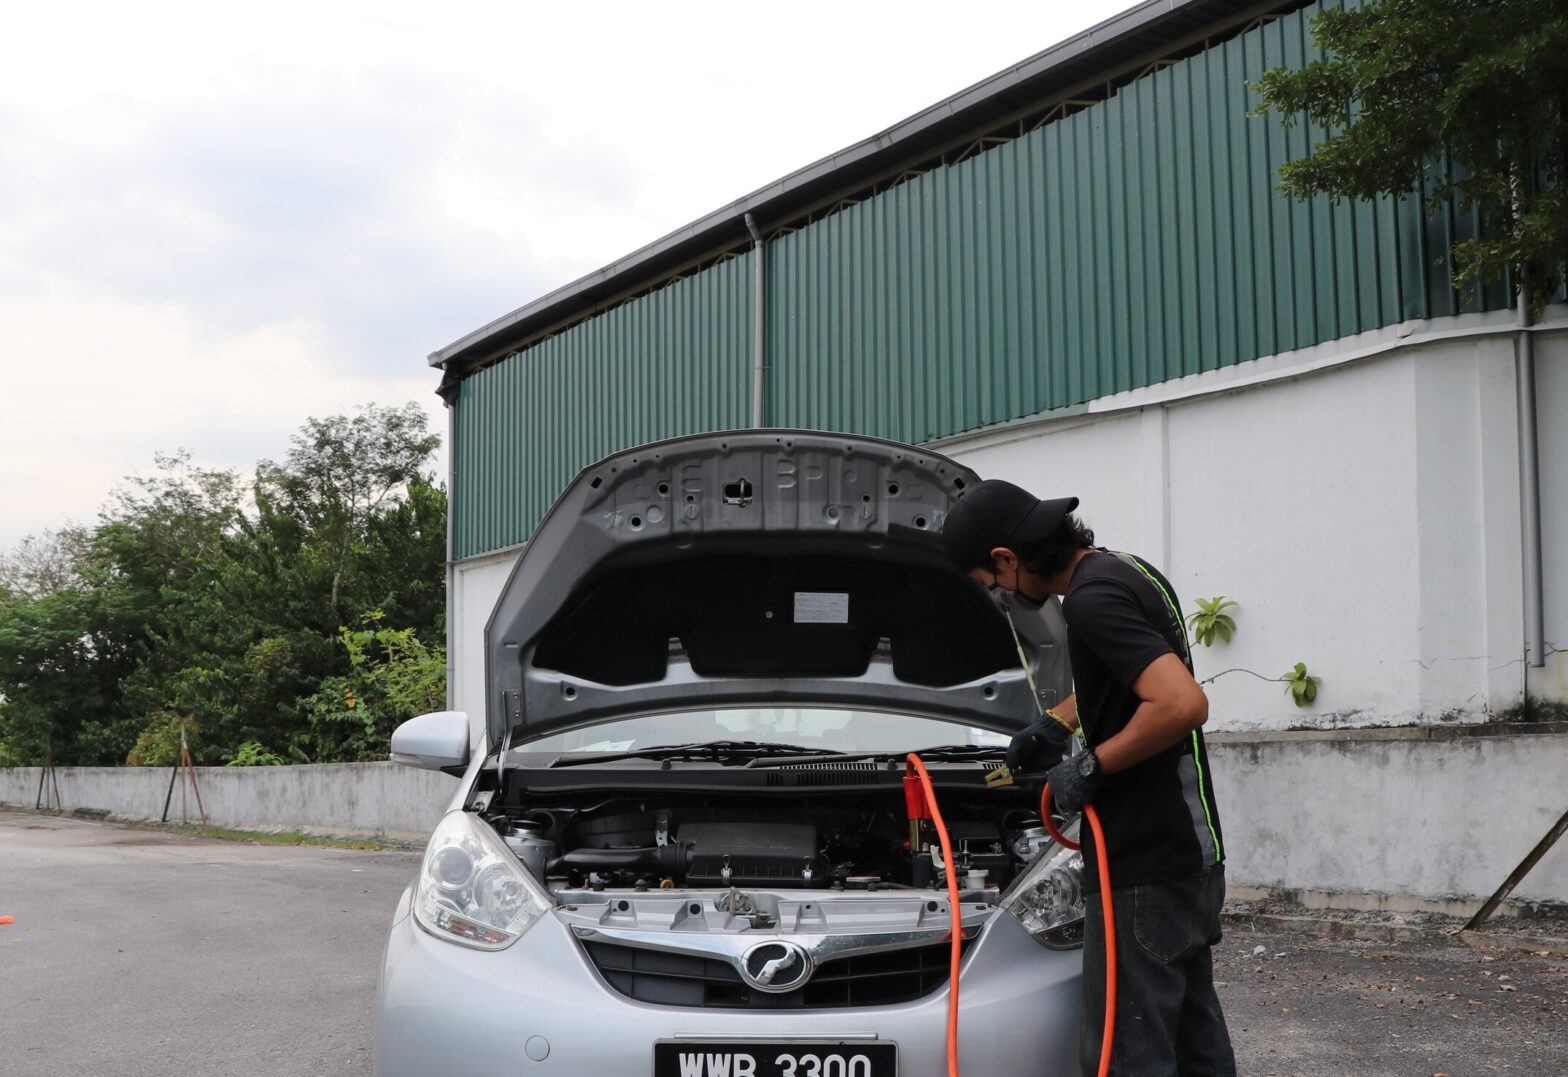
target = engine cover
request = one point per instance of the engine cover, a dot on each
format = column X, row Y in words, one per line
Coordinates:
column 760, row 854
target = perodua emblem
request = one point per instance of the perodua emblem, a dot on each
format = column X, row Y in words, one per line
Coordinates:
column 776, row 966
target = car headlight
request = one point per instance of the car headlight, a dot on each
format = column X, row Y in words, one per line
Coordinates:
column 1048, row 898
column 472, row 890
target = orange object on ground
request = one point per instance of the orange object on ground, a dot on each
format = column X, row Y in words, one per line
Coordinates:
column 5, row 919
column 1108, row 1036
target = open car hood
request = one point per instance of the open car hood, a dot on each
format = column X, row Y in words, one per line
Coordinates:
column 749, row 568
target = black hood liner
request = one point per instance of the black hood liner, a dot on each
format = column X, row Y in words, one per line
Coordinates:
column 733, row 615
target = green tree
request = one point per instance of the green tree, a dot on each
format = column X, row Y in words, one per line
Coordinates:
column 339, row 475
column 223, row 602
column 1409, row 87
column 45, row 563
column 66, row 644
column 343, row 525
column 346, row 525
column 62, row 657
column 161, row 546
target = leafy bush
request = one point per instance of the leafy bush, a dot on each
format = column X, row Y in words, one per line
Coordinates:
column 158, row 745
column 393, row 676
column 252, row 754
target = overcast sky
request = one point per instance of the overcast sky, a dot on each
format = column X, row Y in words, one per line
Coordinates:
column 213, row 225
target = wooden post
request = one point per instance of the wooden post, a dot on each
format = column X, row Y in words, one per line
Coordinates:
column 48, row 782
column 190, row 769
column 1518, row 874
column 174, row 776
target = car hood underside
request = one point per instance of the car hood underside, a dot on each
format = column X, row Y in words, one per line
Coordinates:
column 743, row 568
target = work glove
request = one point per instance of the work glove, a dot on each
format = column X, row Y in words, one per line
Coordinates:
column 1035, row 748
column 1070, row 790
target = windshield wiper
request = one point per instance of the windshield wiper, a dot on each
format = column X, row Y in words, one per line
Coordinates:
column 751, row 750
column 947, row 752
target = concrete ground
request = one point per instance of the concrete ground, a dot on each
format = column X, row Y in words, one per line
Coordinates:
column 1298, row 1004
column 136, row 951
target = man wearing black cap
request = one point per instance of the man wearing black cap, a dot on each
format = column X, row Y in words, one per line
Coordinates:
column 1145, row 769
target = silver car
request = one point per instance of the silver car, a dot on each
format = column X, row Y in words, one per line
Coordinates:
column 685, row 848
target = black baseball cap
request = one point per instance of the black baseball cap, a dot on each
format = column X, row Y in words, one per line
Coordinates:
column 997, row 513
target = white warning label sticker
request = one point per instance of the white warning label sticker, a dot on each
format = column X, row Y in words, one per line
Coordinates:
column 821, row 608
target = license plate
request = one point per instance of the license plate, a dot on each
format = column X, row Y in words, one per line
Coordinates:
column 791, row 1059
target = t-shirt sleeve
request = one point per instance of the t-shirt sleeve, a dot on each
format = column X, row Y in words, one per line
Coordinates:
column 1107, row 619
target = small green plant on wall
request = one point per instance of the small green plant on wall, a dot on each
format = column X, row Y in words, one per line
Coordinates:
column 1302, row 686
column 1212, row 621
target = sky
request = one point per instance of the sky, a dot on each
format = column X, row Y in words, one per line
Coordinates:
column 216, row 224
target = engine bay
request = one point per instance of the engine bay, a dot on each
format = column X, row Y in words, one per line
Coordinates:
column 861, row 840
column 634, row 854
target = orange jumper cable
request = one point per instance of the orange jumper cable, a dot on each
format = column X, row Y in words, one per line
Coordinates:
column 1109, row 1033
column 956, row 912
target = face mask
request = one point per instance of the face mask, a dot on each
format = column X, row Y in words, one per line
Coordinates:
column 1027, row 602
column 1018, row 598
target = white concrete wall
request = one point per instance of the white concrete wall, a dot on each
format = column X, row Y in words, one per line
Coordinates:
column 1469, row 529
column 476, row 584
column 1271, row 490
column 1410, row 817
column 339, row 798
column 1365, row 513
column 1551, row 373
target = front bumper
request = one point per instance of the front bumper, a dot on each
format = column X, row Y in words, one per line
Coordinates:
column 442, row 1008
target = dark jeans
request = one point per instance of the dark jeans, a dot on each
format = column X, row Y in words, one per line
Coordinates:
column 1168, row 1018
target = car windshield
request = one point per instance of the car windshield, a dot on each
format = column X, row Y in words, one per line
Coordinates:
column 804, row 727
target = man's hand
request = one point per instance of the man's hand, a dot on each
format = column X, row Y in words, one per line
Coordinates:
column 1070, row 790
column 1035, row 748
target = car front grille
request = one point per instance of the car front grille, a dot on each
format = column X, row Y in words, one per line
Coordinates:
column 665, row 979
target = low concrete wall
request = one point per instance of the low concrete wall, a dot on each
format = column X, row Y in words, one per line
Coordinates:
column 1422, row 813
column 1419, row 814
column 340, row 798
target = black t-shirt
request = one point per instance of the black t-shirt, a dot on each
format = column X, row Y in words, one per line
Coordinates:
column 1159, row 816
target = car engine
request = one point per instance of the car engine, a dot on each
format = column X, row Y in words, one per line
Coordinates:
column 860, row 842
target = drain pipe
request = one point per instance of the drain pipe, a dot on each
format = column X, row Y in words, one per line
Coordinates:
column 759, row 321
column 1530, row 490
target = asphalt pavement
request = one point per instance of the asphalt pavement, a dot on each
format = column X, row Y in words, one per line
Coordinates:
column 137, row 951
column 1305, row 1005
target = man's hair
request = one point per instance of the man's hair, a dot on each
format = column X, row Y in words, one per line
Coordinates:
column 1051, row 554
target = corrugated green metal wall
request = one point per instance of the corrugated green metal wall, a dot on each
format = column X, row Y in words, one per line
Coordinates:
column 676, row 361
column 1138, row 240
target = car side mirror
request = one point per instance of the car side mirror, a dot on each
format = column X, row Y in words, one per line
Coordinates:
column 436, row 741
